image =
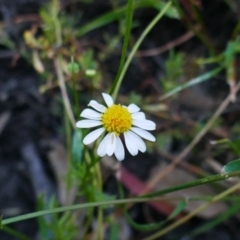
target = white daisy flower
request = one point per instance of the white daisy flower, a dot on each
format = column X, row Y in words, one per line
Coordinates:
column 116, row 120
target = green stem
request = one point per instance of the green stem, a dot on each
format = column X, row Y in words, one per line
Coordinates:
column 87, row 223
column 192, row 82
column 216, row 221
column 58, row 31
column 61, row 80
column 118, row 82
column 193, row 213
column 71, row 208
column 100, row 210
column 75, row 93
column 15, row 233
column 201, row 181
column 198, row 32
column 67, row 125
column 122, row 201
column 129, row 15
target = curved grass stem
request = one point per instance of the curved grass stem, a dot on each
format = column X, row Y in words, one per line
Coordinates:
column 118, row 81
column 193, row 213
column 121, row 201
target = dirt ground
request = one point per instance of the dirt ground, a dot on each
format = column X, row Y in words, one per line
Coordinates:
column 31, row 123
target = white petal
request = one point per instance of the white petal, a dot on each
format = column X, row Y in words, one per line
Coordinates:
column 99, row 107
column 130, row 144
column 119, row 151
column 132, row 108
column 145, row 124
column 111, row 144
column 144, row 134
column 102, row 148
column 108, row 99
column 138, row 116
column 91, row 114
column 92, row 136
column 88, row 123
column 140, row 143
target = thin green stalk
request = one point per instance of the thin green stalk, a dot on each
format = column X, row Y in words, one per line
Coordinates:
column 193, row 213
column 111, row 16
column 15, row 233
column 61, row 80
column 67, row 125
column 199, row 33
column 87, row 223
column 58, row 31
column 71, row 208
column 202, row 78
column 100, row 223
column 201, row 181
column 122, row 201
column 117, row 84
column 232, row 210
column 129, row 15
column 100, row 210
column 58, row 63
column 185, row 152
column 97, row 183
column 75, row 93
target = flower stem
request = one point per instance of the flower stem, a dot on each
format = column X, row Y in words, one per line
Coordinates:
column 100, row 210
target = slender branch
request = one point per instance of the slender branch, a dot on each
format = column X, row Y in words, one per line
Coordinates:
column 136, row 46
column 193, row 213
column 57, row 63
column 164, row 172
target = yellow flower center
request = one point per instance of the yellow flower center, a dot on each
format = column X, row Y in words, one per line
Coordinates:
column 117, row 119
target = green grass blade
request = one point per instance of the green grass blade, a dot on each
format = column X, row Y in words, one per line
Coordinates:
column 77, row 147
column 198, row 182
column 129, row 15
column 154, row 226
column 199, row 79
column 118, row 82
column 218, row 220
column 144, row 198
column 112, row 16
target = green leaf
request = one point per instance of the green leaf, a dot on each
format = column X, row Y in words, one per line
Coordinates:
column 171, row 12
column 117, row 82
column 114, row 231
column 73, row 68
column 129, row 16
column 154, row 226
column 111, row 16
column 179, row 208
column 194, row 81
column 14, row 233
column 235, row 146
column 143, row 227
column 230, row 52
column 102, row 197
column 77, row 146
column 232, row 166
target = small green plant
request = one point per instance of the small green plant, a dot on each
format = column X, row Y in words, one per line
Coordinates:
column 174, row 70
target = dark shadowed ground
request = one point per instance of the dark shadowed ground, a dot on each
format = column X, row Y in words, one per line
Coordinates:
column 29, row 122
